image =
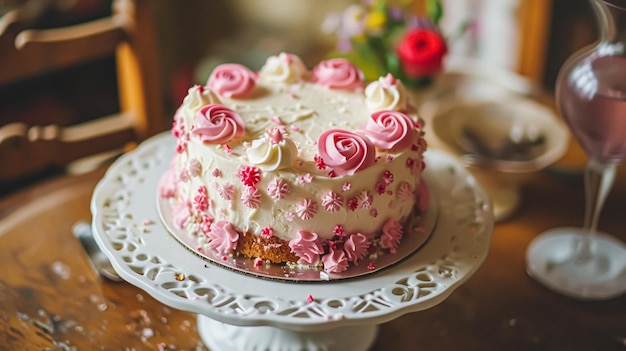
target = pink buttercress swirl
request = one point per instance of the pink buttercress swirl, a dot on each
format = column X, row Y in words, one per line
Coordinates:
column 346, row 152
column 392, row 233
column 307, row 247
column 338, row 74
column 390, row 130
column 335, row 261
column 218, row 124
column 223, row 237
column 356, row 247
column 232, row 80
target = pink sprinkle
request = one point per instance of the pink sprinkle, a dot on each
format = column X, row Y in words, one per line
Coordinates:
column 276, row 120
column 309, row 298
column 371, row 266
column 415, row 147
column 389, row 158
column 307, row 178
column 346, row 186
column 332, row 174
column 148, row 222
column 227, row 149
column 224, row 258
column 217, row 172
column 319, row 161
column 353, row 204
column 381, row 187
column 201, row 88
column 199, row 248
column 294, row 128
column 258, row 261
column 267, row 232
column 374, row 213
column 293, row 95
column 388, row 177
column 339, row 231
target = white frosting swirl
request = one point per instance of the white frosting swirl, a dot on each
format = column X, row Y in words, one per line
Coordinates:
column 269, row 155
column 284, row 68
column 197, row 96
column 386, row 93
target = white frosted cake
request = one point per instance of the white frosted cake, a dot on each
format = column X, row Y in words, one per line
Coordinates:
column 298, row 166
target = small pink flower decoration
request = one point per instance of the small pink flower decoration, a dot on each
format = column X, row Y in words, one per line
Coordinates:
column 335, row 261
column 201, row 199
column 307, row 247
column 223, row 237
column 195, row 167
column 226, row 191
column 338, row 73
column 306, row 209
column 232, row 81
column 277, row 188
column 251, row 197
column 404, row 192
column 364, row 199
column 332, row 202
column 250, row 176
column 218, row 124
column 205, row 224
column 392, row 233
column 346, row 152
column 390, row 130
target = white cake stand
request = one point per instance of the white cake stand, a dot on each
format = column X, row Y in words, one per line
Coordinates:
column 241, row 312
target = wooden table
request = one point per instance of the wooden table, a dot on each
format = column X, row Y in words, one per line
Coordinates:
column 51, row 300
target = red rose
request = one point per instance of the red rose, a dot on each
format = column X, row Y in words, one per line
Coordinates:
column 421, row 51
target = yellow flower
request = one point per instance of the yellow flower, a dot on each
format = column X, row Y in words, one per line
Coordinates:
column 375, row 21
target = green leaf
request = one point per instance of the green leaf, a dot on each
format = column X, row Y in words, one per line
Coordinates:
column 434, row 10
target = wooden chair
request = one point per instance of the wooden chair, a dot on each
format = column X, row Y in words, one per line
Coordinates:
column 128, row 35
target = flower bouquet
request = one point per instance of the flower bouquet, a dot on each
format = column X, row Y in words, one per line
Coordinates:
column 400, row 37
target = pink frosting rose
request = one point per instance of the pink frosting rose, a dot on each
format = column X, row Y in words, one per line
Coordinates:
column 390, row 130
column 346, row 152
column 232, row 80
column 338, row 74
column 356, row 247
column 335, row 261
column 307, row 246
column 223, row 237
column 218, row 124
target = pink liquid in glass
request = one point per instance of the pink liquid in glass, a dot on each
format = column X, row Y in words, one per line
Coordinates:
column 592, row 99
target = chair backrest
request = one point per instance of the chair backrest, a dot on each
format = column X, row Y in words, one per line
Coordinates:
column 128, row 35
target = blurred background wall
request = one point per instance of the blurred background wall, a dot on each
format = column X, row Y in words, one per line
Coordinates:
column 532, row 37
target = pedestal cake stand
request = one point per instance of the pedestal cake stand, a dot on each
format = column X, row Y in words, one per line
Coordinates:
column 242, row 312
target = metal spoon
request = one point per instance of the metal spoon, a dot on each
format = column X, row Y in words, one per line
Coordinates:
column 99, row 261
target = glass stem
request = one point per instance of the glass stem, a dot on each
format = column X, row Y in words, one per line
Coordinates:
column 599, row 178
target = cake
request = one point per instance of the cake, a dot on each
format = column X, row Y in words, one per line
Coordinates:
column 289, row 165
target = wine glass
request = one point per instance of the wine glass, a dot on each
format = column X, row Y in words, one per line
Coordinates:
column 591, row 95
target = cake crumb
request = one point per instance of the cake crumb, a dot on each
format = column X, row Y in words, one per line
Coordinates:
column 179, row 276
